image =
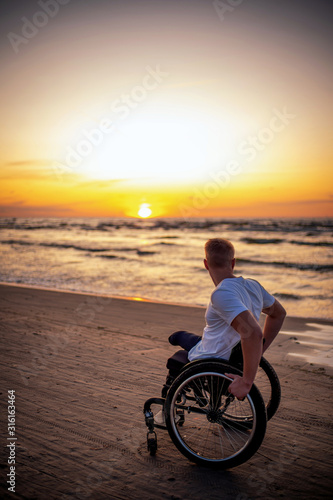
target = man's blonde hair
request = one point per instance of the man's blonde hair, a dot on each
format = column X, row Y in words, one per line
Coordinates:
column 219, row 252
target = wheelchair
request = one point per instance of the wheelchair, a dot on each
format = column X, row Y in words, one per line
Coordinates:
column 206, row 423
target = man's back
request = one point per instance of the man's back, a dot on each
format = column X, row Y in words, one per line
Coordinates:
column 230, row 298
column 248, row 292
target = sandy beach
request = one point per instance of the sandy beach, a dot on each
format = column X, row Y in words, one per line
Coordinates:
column 82, row 366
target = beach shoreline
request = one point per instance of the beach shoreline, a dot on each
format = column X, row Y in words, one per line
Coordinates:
column 82, row 365
column 302, row 320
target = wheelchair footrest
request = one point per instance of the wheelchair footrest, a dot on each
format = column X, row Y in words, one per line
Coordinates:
column 149, row 415
column 152, row 401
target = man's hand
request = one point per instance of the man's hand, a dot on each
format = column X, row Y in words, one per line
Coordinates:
column 239, row 387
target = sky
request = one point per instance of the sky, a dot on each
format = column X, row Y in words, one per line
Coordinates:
column 184, row 108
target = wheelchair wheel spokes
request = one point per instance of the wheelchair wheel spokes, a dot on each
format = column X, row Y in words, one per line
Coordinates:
column 217, row 429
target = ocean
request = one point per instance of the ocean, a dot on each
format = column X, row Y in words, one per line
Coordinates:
column 162, row 259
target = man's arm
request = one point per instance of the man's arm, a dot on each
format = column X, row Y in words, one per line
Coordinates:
column 273, row 323
column 251, row 339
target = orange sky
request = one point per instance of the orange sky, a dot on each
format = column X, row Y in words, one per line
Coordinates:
column 181, row 106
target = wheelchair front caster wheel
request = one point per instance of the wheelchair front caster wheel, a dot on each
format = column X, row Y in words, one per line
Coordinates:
column 152, row 443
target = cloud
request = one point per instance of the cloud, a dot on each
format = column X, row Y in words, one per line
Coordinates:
column 20, row 210
column 27, row 169
column 303, row 202
column 53, row 171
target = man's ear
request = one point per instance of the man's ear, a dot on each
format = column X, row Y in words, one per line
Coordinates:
column 233, row 262
column 206, row 264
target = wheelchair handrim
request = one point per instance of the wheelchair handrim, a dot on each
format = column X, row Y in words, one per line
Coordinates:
column 231, row 421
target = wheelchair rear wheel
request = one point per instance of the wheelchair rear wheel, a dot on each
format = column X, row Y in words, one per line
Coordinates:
column 268, row 384
column 216, row 429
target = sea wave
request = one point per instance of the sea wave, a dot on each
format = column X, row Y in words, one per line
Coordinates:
column 80, row 248
column 112, row 257
column 293, row 265
column 145, row 252
column 310, row 227
column 313, row 243
column 293, row 296
column 275, row 241
column 262, row 241
column 287, row 296
column 53, row 245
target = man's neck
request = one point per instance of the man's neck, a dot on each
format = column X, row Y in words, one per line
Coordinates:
column 221, row 274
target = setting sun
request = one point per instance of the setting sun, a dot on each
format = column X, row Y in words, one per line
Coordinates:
column 144, row 210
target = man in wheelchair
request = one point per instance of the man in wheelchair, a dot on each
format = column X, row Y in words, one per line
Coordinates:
column 232, row 330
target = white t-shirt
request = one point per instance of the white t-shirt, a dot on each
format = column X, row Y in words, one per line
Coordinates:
column 231, row 297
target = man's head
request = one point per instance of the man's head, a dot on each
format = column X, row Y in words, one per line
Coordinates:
column 220, row 254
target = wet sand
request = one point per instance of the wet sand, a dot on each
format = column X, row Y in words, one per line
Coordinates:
column 82, row 367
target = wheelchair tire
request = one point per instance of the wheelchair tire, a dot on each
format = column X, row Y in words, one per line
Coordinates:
column 218, row 430
column 270, row 389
